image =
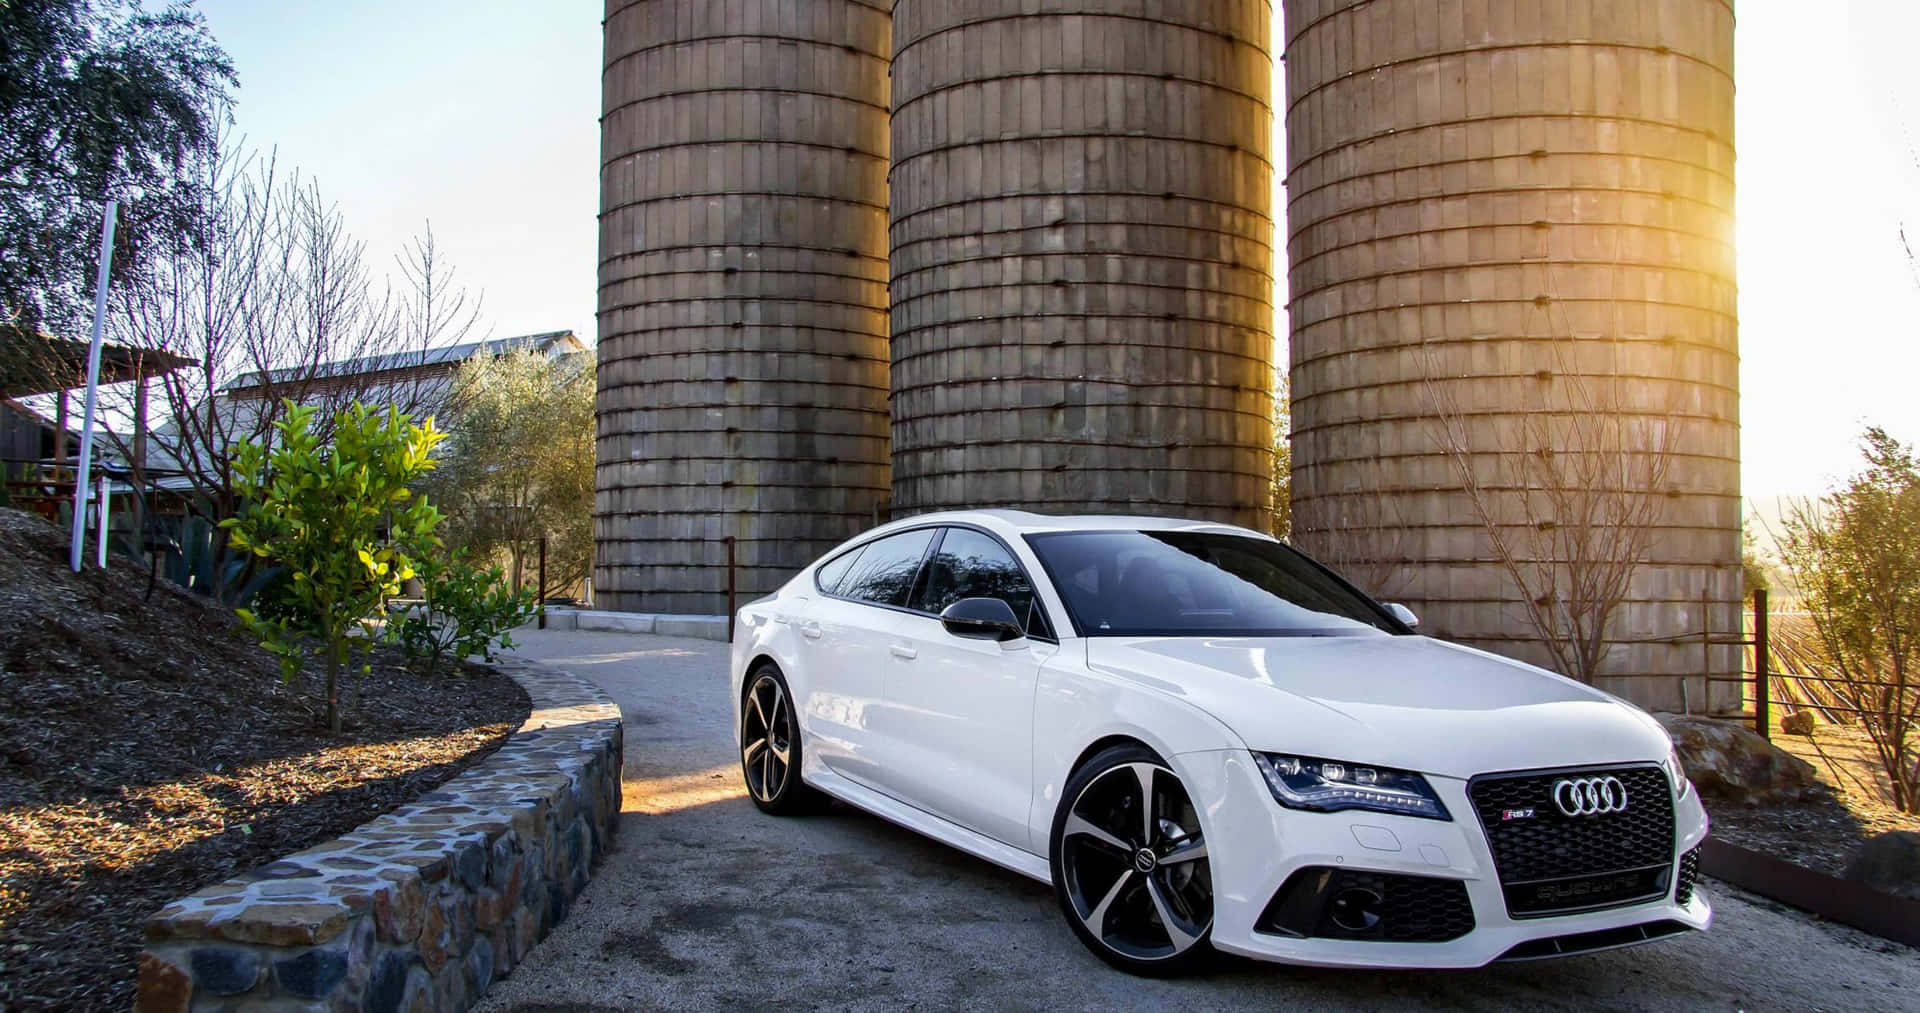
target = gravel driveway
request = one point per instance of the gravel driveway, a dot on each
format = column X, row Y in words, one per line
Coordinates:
column 707, row 904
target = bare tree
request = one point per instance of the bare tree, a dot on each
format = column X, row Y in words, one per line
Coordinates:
column 434, row 311
column 1570, row 503
column 203, row 301
column 273, row 301
column 1358, row 530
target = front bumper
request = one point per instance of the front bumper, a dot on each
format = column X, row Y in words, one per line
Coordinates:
column 1255, row 844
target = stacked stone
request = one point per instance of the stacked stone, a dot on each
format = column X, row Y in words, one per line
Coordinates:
column 743, row 294
column 419, row 909
column 1082, row 245
column 1510, row 223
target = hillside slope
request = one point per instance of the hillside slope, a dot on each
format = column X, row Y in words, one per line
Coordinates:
column 147, row 749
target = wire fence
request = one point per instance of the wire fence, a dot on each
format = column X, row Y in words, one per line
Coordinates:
column 1804, row 677
column 1784, row 667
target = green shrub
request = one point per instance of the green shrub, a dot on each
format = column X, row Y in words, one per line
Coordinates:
column 204, row 562
column 341, row 519
column 467, row 611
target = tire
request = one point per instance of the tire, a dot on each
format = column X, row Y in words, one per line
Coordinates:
column 770, row 745
column 1149, row 915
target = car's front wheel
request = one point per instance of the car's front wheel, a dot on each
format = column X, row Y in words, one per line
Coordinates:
column 1130, row 864
column 770, row 744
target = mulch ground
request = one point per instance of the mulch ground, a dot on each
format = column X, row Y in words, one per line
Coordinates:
column 1822, row 835
column 147, row 749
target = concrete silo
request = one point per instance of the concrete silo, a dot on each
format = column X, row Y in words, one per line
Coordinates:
column 743, row 303
column 1082, row 256
column 1510, row 240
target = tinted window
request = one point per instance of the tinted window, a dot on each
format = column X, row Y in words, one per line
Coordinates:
column 972, row 565
column 1176, row 583
column 884, row 572
column 828, row 576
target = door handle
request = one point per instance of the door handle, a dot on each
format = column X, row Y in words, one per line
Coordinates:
column 904, row 652
column 810, row 630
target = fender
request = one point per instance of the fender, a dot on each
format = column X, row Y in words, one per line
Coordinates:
column 1075, row 709
column 760, row 630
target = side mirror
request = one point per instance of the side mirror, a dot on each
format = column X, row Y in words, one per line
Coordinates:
column 982, row 619
column 1403, row 613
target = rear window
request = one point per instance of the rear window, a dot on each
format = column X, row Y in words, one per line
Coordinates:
column 831, row 573
column 885, row 572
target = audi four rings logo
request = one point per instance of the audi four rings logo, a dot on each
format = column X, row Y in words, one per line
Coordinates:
column 1590, row 796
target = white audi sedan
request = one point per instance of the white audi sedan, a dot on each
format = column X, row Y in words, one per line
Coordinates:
column 1203, row 739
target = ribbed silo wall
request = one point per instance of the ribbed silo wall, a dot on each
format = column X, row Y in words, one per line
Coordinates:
column 1507, row 221
column 1082, row 256
column 743, row 305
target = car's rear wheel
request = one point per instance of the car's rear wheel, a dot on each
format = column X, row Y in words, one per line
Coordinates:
column 770, row 745
column 1130, row 864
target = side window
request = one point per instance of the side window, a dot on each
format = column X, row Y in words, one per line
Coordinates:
column 972, row 565
column 827, row 578
column 884, row 573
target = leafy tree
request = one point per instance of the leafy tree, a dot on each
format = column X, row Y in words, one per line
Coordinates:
column 519, row 464
column 1855, row 557
column 1282, row 489
column 98, row 99
column 342, row 519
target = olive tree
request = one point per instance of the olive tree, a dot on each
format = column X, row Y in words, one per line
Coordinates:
column 518, row 464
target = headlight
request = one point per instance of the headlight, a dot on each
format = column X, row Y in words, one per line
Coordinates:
column 1330, row 786
column 1677, row 773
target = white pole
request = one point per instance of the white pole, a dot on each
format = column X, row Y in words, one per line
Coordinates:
column 93, row 387
column 106, row 519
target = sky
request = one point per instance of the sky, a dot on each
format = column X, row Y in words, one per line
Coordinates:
column 480, row 116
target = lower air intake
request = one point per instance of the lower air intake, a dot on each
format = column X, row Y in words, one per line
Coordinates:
column 1326, row 903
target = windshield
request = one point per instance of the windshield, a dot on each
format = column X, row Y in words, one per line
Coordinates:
column 1192, row 584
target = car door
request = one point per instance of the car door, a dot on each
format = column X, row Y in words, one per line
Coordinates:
column 956, row 729
column 845, row 633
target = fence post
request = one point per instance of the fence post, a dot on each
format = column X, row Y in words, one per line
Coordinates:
column 1762, row 718
column 542, row 593
column 105, row 507
column 1706, row 650
column 732, row 608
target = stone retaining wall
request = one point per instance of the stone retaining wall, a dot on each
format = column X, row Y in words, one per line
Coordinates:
column 419, row 909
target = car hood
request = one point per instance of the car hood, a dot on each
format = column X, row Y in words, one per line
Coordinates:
column 1393, row 701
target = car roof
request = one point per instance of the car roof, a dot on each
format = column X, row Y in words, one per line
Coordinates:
column 1023, row 522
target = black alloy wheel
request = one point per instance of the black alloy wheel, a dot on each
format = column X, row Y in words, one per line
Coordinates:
column 1130, row 864
column 770, row 745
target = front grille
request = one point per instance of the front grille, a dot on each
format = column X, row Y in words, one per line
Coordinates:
column 1551, row 863
column 1689, row 872
column 1409, row 909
